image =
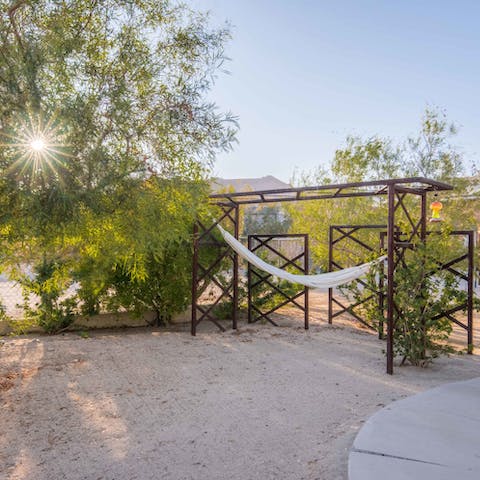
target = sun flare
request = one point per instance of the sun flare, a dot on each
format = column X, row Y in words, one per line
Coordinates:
column 37, row 144
column 37, row 147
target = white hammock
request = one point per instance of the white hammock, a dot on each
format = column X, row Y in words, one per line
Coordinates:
column 321, row 281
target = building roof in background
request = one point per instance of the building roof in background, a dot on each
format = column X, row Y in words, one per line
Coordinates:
column 247, row 184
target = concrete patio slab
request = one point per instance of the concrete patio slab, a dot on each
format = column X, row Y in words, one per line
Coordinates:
column 372, row 467
column 435, row 434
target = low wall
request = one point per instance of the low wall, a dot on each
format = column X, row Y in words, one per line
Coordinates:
column 108, row 320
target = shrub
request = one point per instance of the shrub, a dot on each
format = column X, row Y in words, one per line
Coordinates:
column 423, row 291
column 48, row 284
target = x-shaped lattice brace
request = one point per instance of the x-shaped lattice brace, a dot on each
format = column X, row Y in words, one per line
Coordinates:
column 395, row 247
column 396, row 196
column 467, row 277
column 257, row 279
column 337, row 235
column 205, row 275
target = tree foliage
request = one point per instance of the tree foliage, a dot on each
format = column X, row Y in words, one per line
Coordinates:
column 116, row 92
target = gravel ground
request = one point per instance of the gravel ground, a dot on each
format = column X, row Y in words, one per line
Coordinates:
column 259, row 403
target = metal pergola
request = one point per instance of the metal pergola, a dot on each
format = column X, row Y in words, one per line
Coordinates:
column 395, row 190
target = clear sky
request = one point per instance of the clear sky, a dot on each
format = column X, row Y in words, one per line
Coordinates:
column 304, row 74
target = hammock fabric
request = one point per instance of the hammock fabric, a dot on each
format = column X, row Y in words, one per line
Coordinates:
column 322, row 281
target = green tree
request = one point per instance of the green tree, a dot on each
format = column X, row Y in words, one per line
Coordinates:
column 106, row 138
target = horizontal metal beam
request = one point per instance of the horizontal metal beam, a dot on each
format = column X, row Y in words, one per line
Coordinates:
column 416, row 185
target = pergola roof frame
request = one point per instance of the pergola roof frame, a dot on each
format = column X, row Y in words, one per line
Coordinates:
column 414, row 185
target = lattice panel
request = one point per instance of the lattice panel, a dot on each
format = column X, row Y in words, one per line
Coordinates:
column 259, row 280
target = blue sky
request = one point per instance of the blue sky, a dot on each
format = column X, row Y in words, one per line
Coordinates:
column 305, row 74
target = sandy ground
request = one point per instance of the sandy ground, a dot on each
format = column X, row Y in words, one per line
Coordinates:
column 260, row 403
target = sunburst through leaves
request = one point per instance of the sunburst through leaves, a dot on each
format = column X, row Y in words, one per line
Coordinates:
column 38, row 148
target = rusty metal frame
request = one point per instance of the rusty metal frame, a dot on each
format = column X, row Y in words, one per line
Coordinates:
column 201, row 274
column 341, row 190
column 468, row 277
column 255, row 279
column 394, row 189
column 348, row 231
column 396, row 250
column 342, row 233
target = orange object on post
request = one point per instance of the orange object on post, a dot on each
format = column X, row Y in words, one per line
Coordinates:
column 436, row 206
